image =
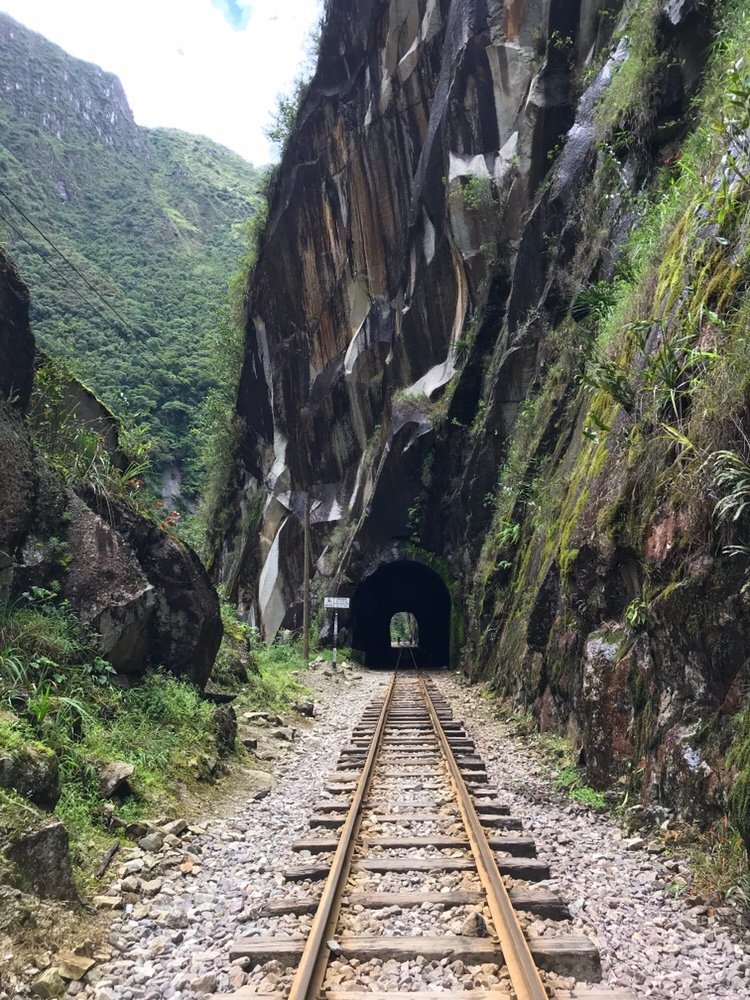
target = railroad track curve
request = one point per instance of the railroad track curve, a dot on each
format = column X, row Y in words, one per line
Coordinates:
column 410, row 802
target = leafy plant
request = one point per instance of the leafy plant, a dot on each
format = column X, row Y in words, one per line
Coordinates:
column 593, row 304
column 672, row 372
column 732, row 477
column 285, row 114
column 718, row 864
column 509, row 533
column 40, row 703
column 82, row 453
column 477, row 194
column 636, row 614
column 604, row 375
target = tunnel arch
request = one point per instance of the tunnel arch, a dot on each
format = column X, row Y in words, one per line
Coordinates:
column 403, row 585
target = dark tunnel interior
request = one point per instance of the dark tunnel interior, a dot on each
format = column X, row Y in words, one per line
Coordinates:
column 402, row 586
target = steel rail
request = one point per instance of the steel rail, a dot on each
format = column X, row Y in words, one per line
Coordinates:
column 311, row 971
column 524, row 974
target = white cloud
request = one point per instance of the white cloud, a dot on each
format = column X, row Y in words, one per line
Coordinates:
column 181, row 63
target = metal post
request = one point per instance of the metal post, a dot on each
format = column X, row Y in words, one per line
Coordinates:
column 335, row 634
column 306, row 586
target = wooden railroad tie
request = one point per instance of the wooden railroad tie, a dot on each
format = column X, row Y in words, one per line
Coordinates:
column 538, row 900
column 530, row 869
column 567, row 955
column 521, row 847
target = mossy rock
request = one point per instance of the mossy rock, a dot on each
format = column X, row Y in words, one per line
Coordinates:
column 32, row 770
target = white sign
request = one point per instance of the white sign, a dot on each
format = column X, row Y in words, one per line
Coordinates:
column 336, row 602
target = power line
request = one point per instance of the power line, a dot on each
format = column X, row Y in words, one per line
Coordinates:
column 46, row 260
column 124, row 322
column 92, row 305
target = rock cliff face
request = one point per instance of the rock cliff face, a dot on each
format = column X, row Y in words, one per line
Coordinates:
column 482, row 335
column 145, row 594
column 38, row 86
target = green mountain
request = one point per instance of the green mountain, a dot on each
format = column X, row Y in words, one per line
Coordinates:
column 153, row 219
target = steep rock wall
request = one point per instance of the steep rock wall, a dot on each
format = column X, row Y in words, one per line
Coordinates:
column 482, row 333
column 374, row 260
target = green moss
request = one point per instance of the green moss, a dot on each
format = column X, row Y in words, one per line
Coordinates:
column 626, row 104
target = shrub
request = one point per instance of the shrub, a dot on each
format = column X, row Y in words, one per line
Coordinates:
column 477, row 193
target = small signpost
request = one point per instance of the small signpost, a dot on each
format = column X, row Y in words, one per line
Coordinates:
column 334, row 604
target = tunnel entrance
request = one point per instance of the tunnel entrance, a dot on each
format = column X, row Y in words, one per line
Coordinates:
column 404, row 630
column 395, row 588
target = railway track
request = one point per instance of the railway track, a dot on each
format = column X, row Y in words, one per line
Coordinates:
column 410, row 827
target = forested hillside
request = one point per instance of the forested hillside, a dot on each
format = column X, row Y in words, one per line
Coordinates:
column 153, row 219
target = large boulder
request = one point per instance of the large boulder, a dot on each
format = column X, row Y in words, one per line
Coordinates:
column 109, row 590
column 41, row 862
column 184, row 628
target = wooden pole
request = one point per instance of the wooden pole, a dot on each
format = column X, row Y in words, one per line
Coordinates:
column 306, row 591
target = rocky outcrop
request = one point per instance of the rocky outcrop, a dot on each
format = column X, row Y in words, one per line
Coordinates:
column 144, row 592
column 108, row 588
column 41, row 862
column 32, row 771
column 101, row 104
column 456, row 239
column 184, row 631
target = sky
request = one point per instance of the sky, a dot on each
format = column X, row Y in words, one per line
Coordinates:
column 214, row 67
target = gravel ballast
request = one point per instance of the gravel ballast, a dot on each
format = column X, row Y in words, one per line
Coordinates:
column 649, row 940
column 186, row 903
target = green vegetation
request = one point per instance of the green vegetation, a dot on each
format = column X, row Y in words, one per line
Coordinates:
column 103, row 454
column 477, row 194
column 661, row 355
column 288, row 105
column 568, row 777
column 278, row 665
column 626, row 107
column 404, row 628
column 153, row 219
column 218, row 429
column 58, row 695
column 738, row 761
column 263, row 675
column 718, row 866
